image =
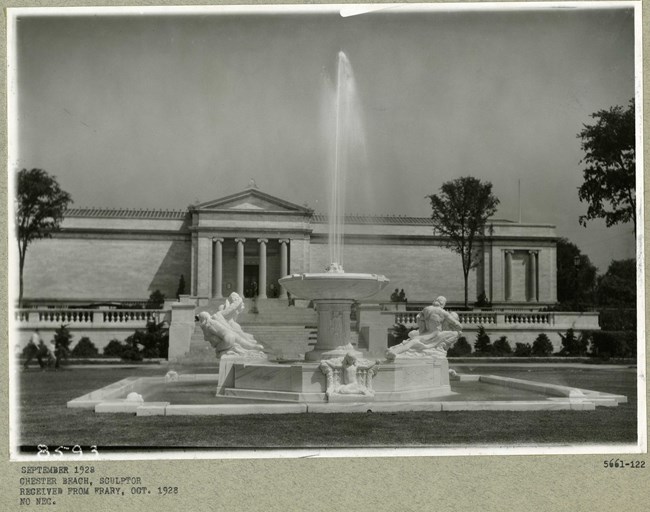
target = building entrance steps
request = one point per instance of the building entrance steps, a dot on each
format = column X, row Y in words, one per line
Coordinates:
column 268, row 312
column 281, row 341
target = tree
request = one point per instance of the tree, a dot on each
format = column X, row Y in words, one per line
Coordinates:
column 573, row 345
column 62, row 340
column 154, row 341
column 574, row 285
column 181, row 287
column 482, row 345
column 617, row 288
column 40, row 207
column 156, row 300
column 609, row 178
column 460, row 213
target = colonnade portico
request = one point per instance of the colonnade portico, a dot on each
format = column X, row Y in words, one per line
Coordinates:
column 221, row 271
column 531, row 293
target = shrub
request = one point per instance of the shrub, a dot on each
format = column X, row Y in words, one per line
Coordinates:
column 619, row 319
column 501, row 347
column 85, row 348
column 460, row 349
column 606, row 344
column 482, row 345
column 482, row 301
column 131, row 353
column 29, row 351
column 154, row 341
column 542, row 346
column 572, row 345
column 62, row 340
column 115, row 348
column 523, row 350
column 156, row 300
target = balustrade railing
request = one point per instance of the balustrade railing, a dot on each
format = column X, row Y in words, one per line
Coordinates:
column 470, row 318
column 528, row 318
column 96, row 317
column 477, row 317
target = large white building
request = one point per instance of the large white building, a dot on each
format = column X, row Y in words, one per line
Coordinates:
column 247, row 241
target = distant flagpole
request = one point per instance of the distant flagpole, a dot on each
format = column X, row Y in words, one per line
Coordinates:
column 519, row 198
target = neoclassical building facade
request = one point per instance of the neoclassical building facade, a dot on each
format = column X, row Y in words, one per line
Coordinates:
column 246, row 241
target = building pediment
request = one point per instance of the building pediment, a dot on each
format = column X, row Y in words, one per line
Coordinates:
column 252, row 200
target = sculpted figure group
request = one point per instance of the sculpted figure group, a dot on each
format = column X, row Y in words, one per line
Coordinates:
column 437, row 331
column 223, row 332
column 349, row 375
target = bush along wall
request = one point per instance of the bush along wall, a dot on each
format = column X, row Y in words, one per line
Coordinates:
column 85, row 348
column 608, row 344
column 461, row 348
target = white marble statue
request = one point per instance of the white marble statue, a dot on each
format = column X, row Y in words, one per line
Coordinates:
column 437, row 331
column 171, row 376
column 349, row 375
column 223, row 332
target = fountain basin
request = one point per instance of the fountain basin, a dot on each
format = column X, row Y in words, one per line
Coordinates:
column 332, row 285
column 333, row 294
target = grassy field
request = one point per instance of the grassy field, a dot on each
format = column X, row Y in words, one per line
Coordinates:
column 44, row 418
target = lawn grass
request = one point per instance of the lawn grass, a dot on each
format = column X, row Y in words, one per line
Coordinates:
column 44, row 418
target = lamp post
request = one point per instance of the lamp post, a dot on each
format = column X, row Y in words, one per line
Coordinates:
column 576, row 266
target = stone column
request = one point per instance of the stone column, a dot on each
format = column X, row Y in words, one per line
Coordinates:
column 217, row 271
column 195, row 258
column 283, row 264
column 508, row 275
column 532, row 255
column 240, row 265
column 261, row 290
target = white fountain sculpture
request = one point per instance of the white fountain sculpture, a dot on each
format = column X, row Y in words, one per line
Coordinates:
column 225, row 335
column 437, row 331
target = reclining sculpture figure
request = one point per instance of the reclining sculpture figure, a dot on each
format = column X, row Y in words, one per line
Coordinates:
column 437, row 331
column 223, row 332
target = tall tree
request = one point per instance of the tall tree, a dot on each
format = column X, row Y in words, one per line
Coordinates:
column 40, row 206
column 609, row 179
column 576, row 275
column 460, row 212
column 618, row 286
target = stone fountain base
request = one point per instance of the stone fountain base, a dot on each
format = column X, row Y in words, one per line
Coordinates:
column 402, row 380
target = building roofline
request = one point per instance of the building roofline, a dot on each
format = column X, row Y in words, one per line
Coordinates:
column 316, row 218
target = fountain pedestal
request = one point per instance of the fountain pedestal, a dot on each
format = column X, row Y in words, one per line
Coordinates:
column 333, row 330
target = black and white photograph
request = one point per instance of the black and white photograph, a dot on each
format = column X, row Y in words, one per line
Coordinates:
column 331, row 231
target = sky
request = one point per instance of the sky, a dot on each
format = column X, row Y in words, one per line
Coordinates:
column 151, row 111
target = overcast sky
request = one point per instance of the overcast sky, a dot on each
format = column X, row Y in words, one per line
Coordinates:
column 163, row 111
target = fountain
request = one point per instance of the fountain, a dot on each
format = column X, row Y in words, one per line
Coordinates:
column 334, row 371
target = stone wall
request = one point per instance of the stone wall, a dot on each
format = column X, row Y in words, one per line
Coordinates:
column 103, row 269
column 424, row 271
